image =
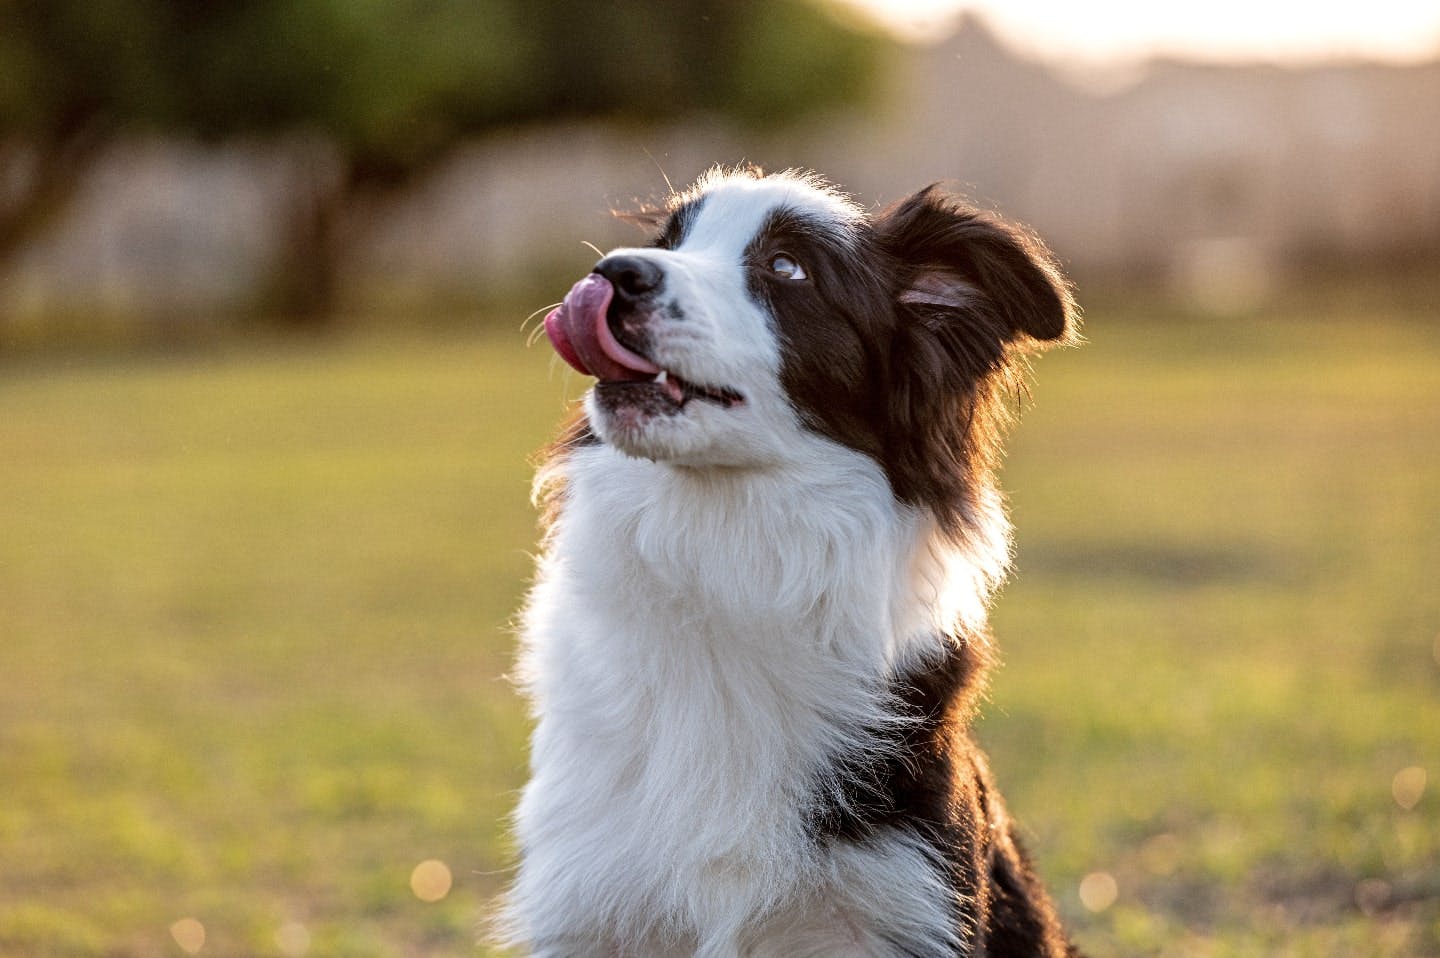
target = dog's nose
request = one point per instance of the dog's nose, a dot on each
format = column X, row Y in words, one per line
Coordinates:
column 634, row 277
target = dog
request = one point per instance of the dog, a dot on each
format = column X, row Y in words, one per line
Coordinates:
column 757, row 631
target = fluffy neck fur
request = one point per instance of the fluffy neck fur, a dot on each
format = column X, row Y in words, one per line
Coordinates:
column 701, row 675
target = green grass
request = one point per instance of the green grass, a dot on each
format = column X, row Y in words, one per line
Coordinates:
column 253, row 607
column 1224, row 641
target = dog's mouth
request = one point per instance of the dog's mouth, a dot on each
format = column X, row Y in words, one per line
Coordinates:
column 678, row 391
column 580, row 332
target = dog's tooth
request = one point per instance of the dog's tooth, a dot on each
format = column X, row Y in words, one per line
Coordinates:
column 674, row 386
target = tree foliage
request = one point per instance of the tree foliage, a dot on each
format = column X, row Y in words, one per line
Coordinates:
column 390, row 85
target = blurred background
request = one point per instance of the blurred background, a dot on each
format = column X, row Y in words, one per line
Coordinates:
column 169, row 164
column 267, row 404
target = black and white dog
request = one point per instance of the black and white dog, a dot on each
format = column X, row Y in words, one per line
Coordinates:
column 758, row 629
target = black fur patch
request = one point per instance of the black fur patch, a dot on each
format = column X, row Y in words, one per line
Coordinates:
column 904, row 339
column 677, row 224
column 931, row 780
column 832, row 324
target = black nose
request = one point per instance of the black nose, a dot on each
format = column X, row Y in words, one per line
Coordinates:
column 634, row 277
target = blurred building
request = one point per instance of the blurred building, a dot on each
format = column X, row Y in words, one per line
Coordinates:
column 1213, row 177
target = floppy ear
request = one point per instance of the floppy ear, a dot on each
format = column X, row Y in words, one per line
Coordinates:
column 953, row 257
column 970, row 290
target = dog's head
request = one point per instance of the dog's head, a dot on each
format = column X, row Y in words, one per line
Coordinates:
column 770, row 310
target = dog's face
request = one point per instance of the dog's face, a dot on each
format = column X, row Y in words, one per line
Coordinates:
column 700, row 304
column 770, row 310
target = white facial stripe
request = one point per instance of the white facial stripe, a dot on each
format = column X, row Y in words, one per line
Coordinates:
column 736, row 207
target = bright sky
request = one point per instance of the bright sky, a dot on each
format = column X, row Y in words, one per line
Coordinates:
column 1100, row 30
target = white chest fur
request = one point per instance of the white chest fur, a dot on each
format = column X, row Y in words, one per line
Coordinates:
column 696, row 646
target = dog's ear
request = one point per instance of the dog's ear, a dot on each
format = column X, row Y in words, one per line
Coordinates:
column 970, row 290
column 956, row 258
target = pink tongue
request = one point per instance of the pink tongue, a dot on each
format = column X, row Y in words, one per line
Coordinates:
column 582, row 337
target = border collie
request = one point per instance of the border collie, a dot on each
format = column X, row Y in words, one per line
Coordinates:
column 758, row 628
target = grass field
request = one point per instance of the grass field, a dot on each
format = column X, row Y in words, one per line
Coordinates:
column 252, row 631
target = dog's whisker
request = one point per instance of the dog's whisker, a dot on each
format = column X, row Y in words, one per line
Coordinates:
column 526, row 321
column 663, row 175
column 542, row 309
column 598, row 251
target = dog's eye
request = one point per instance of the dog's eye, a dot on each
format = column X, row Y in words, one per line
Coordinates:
column 784, row 266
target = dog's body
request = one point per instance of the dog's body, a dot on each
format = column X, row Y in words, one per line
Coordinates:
column 758, row 628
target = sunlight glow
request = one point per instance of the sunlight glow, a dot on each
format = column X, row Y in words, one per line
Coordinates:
column 1098, row 891
column 189, row 934
column 430, row 881
column 1372, row 895
column 1107, row 30
column 293, row 939
column 1408, row 786
column 1162, row 854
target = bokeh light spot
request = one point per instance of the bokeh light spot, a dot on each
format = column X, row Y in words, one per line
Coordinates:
column 1408, row 786
column 430, row 881
column 189, row 934
column 293, row 939
column 1372, row 896
column 1161, row 854
column 1098, row 891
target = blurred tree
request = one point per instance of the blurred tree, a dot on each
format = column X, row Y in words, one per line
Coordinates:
column 367, row 95
column 68, row 73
